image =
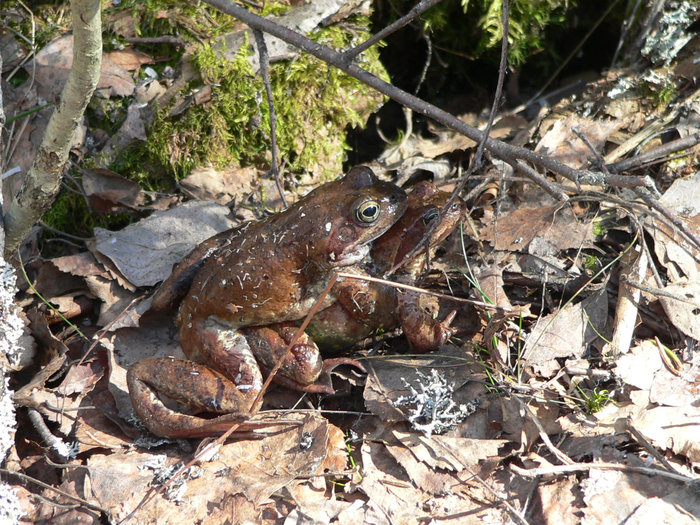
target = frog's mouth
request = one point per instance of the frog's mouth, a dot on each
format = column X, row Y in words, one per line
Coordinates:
column 348, row 258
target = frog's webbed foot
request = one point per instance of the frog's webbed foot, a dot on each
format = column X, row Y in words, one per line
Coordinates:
column 423, row 332
column 189, row 383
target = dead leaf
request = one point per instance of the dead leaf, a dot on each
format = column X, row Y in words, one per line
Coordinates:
column 563, row 144
column 81, row 264
column 133, row 129
column 108, row 191
column 448, row 452
column 637, row 368
column 557, row 500
column 54, row 61
column 568, row 331
column 386, row 381
column 672, row 428
column 684, row 314
column 130, row 59
column 114, row 298
column 254, row 467
column 614, row 497
column 129, row 345
column 555, row 225
column 146, row 251
column 221, row 186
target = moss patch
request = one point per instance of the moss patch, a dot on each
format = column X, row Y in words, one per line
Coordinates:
column 314, row 105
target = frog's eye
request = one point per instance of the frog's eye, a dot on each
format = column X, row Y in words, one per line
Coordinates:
column 368, row 212
column 429, row 216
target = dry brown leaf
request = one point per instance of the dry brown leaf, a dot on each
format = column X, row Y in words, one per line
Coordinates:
column 114, row 300
column 563, row 144
column 388, row 486
column 448, row 452
column 658, row 510
column 557, row 500
column 52, row 282
column 669, row 389
column 129, row 345
column 146, row 251
column 54, row 61
column 672, row 428
column 680, row 258
column 422, row 476
column 555, row 225
column 108, row 191
column 684, row 312
column 615, row 497
column 130, row 59
column 221, row 186
column 396, row 497
column 256, row 468
column 82, row 264
column 386, row 382
column 637, row 368
column 568, row 332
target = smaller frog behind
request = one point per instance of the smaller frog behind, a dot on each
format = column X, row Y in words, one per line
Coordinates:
column 364, row 307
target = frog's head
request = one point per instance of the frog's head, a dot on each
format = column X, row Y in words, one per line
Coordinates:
column 356, row 209
column 425, row 203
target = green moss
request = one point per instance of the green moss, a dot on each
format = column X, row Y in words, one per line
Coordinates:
column 190, row 20
column 314, row 105
column 69, row 213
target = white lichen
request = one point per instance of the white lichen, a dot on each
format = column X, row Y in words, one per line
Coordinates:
column 671, row 35
column 11, row 328
column 10, row 508
column 434, row 412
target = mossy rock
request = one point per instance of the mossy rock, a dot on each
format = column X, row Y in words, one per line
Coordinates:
column 314, row 105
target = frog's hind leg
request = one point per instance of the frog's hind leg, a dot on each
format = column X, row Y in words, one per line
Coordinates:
column 192, row 384
column 227, row 384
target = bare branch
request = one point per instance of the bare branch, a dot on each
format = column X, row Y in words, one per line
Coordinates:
column 497, row 147
column 42, row 182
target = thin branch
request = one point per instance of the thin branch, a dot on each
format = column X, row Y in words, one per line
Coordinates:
column 656, row 153
column 402, row 286
column 566, row 460
column 563, row 470
column 163, row 39
column 265, row 73
column 417, row 10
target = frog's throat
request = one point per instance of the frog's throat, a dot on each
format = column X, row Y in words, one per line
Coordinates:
column 350, row 258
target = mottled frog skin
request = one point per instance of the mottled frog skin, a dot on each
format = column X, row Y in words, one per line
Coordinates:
column 250, row 284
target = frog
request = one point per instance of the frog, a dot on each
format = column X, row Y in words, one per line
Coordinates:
column 258, row 278
column 363, row 308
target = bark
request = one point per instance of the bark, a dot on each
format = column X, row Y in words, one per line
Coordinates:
column 42, row 182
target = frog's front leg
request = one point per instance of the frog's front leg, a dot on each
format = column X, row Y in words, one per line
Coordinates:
column 303, row 368
column 228, row 386
column 423, row 331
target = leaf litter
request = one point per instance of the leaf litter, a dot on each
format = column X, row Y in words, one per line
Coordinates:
column 553, row 390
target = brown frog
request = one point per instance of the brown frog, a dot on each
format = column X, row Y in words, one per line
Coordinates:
column 364, row 307
column 269, row 272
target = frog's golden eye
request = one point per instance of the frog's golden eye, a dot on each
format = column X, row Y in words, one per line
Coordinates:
column 368, row 212
column 429, row 216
